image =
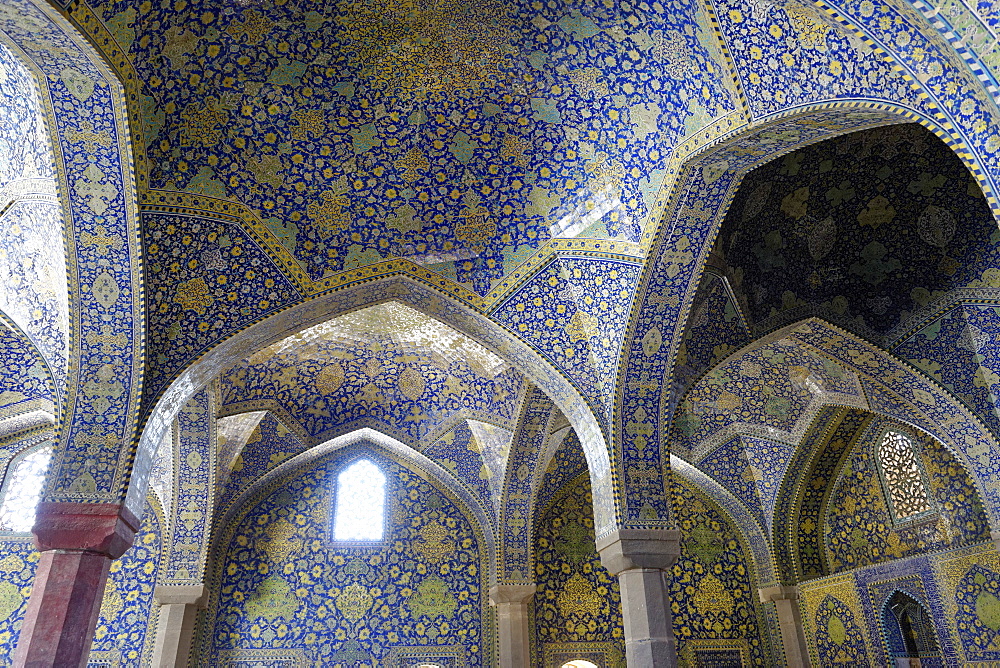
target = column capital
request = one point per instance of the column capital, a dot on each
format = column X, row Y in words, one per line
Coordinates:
column 631, row 549
column 512, row 593
column 104, row 528
column 778, row 593
column 180, row 594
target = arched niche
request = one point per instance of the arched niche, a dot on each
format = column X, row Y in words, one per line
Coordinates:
column 884, row 385
column 833, row 512
column 909, row 632
column 432, row 565
column 364, row 437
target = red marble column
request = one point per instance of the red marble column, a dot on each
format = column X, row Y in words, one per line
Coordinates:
column 77, row 542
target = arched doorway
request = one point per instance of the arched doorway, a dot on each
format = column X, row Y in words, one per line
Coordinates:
column 909, row 632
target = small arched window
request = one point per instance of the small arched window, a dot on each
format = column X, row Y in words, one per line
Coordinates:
column 579, row 663
column 23, row 489
column 360, row 512
column 903, row 476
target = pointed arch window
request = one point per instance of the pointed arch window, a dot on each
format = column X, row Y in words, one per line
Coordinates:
column 903, row 476
column 22, row 489
column 360, row 509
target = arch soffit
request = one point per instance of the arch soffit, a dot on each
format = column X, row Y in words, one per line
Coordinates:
column 890, row 383
column 425, row 299
column 723, row 153
column 227, row 519
column 92, row 150
column 959, row 66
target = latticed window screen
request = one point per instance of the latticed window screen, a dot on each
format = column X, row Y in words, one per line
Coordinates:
column 23, row 490
column 903, row 478
column 360, row 502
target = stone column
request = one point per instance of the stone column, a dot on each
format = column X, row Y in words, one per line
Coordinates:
column 511, row 603
column 793, row 638
column 179, row 606
column 995, row 535
column 77, row 542
column 641, row 559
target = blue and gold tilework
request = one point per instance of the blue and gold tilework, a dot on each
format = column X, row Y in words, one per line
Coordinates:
column 864, row 229
column 84, row 110
column 955, row 350
column 269, row 444
column 457, row 134
column 401, row 386
column 26, row 378
column 194, row 485
column 281, row 583
column 578, row 601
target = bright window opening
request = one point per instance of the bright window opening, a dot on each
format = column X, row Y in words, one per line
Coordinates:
column 24, row 489
column 360, row 502
column 904, row 480
column 579, row 663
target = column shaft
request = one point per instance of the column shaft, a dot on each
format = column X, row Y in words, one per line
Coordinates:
column 649, row 627
column 62, row 612
column 641, row 559
column 77, row 542
column 175, row 624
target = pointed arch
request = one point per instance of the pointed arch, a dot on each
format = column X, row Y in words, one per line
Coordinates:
column 887, row 387
column 691, row 207
column 226, row 515
column 429, row 301
column 907, row 627
column 85, row 109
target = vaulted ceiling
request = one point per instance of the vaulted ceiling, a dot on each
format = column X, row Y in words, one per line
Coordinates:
column 865, row 229
column 458, row 134
column 387, row 365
